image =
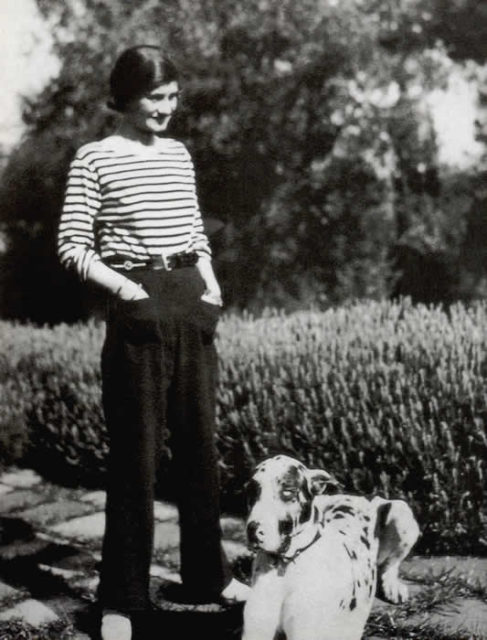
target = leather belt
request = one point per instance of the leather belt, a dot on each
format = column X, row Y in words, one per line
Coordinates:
column 166, row 262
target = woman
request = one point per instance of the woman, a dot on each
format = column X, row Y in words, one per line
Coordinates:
column 131, row 224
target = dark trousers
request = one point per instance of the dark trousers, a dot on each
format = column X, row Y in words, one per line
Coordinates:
column 159, row 377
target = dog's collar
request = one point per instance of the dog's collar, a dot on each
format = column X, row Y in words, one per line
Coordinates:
column 283, row 560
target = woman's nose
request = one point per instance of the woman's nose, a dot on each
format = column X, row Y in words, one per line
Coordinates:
column 166, row 106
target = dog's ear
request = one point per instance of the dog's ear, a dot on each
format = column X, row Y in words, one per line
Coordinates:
column 320, row 482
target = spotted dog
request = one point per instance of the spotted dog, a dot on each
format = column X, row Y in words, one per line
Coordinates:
column 319, row 558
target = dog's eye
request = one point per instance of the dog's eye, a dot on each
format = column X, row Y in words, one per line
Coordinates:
column 288, row 494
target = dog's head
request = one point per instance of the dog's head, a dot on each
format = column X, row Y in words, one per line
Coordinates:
column 280, row 495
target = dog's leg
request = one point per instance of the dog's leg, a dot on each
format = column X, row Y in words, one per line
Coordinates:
column 397, row 531
column 262, row 610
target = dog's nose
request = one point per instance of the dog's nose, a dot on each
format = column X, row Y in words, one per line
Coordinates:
column 254, row 532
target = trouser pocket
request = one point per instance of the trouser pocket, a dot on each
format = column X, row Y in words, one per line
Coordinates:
column 139, row 320
column 205, row 316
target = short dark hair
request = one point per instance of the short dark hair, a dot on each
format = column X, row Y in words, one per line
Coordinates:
column 137, row 71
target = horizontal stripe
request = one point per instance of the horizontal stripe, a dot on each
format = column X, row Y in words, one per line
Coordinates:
column 124, row 247
column 141, row 225
column 124, row 198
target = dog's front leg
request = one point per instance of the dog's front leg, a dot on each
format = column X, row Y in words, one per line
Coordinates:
column 262, row 610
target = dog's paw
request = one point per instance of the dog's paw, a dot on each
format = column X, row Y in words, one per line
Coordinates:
column 391, row 589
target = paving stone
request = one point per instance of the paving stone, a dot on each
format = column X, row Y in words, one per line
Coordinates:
column 84, row 528
column 235, row 550
column 18, row 500
column 166, row 536
column 162, row 510
column 67, row 558
column 30, row 611
column 472, row 570
column 157, row 571
column 84, row 562
column 169, row 558
column 4, row 489
column 7, row 592
column 462, row 616
column 66, row 574
column 52, row 512
column 165, row 511
column 65, row 606
column 23, row 549
column 88, row 584
column 20, row 478
column 234, row 529
column 98, row 498
column 230, row 523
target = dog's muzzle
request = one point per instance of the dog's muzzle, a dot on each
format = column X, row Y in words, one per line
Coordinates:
column 255, row 535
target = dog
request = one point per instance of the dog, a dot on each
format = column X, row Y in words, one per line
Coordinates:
column 319, row 559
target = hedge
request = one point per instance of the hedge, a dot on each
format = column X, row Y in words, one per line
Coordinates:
column 388, row 396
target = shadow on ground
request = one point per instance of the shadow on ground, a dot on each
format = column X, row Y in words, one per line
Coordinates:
column 25, row 560
column 160, row 623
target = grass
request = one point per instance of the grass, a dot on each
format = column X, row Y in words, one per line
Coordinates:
column 437, row 592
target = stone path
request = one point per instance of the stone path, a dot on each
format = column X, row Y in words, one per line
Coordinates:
column 50, row 540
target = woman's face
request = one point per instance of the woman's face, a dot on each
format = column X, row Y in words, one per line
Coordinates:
column 151, row 113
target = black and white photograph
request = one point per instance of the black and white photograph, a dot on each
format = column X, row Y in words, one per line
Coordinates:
column 243, row 319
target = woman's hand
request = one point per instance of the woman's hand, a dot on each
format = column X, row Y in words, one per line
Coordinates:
column 213, row 296
column 213, row 293
column 130, row 290
column 116, row 283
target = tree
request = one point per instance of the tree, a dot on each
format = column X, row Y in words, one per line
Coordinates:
column 307, row 125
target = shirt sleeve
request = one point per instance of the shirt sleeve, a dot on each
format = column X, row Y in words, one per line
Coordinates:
column 76, row 235
column 199, row 240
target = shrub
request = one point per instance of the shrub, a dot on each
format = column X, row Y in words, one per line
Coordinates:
column 51, row 380
column 388, row 396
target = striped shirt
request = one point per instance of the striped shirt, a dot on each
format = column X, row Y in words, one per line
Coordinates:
column 124, row 200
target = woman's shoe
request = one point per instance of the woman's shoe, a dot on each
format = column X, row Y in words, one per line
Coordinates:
column 115, row 626
column 235, row 591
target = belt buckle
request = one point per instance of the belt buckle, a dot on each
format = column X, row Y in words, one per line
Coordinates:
column 165, row 261
column 128, row 265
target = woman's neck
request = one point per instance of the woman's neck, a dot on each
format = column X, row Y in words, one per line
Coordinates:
column 128, row 131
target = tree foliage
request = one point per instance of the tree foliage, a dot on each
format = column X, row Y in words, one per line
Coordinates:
column 308, row 128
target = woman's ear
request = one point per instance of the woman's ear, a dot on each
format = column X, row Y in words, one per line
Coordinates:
column 320, row 482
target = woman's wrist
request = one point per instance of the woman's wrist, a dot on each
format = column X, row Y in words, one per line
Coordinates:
column 114, row 282
column 129, row 290
column 205, row 268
